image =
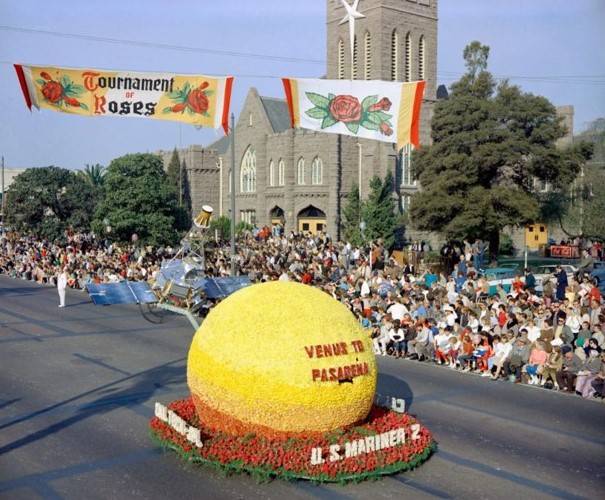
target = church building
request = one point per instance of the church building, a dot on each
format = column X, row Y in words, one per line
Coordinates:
column 301, row 178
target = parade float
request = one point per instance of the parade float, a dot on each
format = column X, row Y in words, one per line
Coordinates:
column 283, row 384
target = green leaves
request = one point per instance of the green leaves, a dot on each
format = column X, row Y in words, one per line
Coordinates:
column 369, row 101
column 369, row 124
column 321, row 110
column 319, row 100
column 318, row 113
column 353, row 127
column 328, row 121
column 179, row 96
column 84, row 106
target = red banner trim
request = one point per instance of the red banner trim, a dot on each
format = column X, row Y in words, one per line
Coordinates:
column 288, row 90
column 23, row 83
column 227, row 104
column 415, row 134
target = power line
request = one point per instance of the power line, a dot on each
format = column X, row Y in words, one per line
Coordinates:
column 593, row 80
column 141, row 43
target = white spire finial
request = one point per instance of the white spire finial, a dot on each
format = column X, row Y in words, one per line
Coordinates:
column 350, row 16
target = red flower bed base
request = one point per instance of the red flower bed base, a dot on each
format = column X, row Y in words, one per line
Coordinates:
column 297, row 458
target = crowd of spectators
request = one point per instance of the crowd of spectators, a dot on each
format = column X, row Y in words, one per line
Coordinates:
column 554, row 339
column 85, row 259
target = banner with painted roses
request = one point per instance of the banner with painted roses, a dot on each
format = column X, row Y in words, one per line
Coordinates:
column 198, row 100
column 372, row 109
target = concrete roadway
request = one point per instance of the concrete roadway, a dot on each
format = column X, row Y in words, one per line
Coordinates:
column 78, row 385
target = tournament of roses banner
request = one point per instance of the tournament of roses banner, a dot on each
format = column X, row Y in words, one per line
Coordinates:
column 194, row 99
column 373, row 109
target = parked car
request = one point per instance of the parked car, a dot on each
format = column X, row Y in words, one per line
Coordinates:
column 547, row 272
column 503, row 276
column 598, row 273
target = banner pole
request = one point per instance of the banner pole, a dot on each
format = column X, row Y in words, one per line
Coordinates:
column 232, row 187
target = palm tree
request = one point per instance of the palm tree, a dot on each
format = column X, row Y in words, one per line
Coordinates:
column 93, row 174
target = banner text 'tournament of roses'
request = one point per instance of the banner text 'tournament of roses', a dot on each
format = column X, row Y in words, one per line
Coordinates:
column 198, row 100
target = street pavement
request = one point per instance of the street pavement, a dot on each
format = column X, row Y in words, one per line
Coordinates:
column 78, row 386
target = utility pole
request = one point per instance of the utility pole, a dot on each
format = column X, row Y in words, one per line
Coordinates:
column 181, row 183
column 232, row 185
column 582, row 201
column 3, row 201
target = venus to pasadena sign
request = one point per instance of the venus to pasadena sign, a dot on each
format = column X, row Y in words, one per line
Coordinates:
column 194, row 99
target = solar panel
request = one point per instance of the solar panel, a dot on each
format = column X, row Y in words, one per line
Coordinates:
column 124, row 292
column 139, row 292
column 218, row 288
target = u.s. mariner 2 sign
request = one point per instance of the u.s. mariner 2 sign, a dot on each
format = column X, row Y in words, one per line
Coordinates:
column 194, row 99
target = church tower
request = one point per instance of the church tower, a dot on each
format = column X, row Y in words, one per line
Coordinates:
column 396, row 40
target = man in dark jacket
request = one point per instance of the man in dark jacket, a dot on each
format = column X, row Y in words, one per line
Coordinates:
column 561, row 276
column 566, row 377
column 530, row 280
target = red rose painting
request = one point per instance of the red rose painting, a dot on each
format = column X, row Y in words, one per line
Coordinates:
column 370, row 113
column 191, row 100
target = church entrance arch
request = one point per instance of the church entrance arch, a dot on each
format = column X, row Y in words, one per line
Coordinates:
column 312, row 220
column 277, row 216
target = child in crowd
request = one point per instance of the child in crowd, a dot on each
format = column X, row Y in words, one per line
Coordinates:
column 537, row 359
column 553, row 364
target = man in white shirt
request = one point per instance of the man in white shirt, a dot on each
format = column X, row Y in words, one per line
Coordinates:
column 397, row 311
column 61, row 286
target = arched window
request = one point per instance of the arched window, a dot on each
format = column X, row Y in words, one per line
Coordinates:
column 341, row 59
column 317, row 168
column 271, row 173
column 281, row 173
column 394, row 55
column 421, row 58
column 300, row 172
column 248, row 172
column 368, row 56
column 355, row 58
column 408, row 58
column 407, row 178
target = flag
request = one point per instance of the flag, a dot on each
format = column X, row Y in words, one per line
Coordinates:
column 198, row 100
column 372, row 109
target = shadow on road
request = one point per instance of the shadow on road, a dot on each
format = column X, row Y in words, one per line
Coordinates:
column 395, row 387
column 133, row 390
column 22, row 291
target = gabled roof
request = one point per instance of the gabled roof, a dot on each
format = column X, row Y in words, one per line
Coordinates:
column 221, row 146
column 277, row 112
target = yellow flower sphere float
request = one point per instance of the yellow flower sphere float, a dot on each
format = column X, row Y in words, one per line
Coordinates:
column 281, row 358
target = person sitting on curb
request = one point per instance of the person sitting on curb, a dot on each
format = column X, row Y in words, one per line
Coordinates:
column 566, row 376
column 552, row 366
column 518, row 357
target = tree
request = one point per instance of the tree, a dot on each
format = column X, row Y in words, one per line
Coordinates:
column 580, row 209
column 177, row 176
column 139, row 199
column 595, row 134
column 93, row 175
column 221, row 224
column 489, row 145
column 352, row 217
column 46, row 201
column 378, row 211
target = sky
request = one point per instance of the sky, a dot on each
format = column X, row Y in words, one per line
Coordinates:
column 548, row 47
